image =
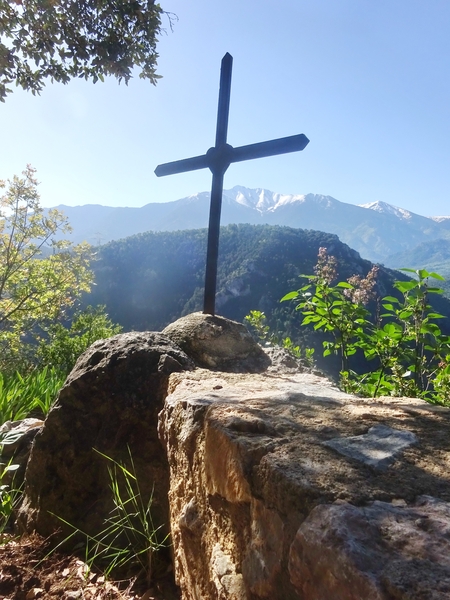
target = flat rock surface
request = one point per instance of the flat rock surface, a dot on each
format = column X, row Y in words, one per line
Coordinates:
column 378, row 448
column 299, row 412
column 249, row 463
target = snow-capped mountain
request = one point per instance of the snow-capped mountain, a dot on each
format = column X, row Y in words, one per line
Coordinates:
column 265, row 201
column 384, row 207
column 440, row 219
column 375, row 230
column 262, row 200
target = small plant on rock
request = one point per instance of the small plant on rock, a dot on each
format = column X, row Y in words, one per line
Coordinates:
column 258, row 323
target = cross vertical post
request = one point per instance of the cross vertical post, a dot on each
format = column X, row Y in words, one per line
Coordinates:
column 218, row 172
column 218, row 159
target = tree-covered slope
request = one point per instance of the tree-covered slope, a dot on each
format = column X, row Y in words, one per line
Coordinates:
column 148, row 280
column 432, row 256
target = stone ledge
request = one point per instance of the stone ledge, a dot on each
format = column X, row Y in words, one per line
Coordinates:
column 249, row 466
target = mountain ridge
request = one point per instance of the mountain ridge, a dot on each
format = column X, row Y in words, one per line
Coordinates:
column 375, row 230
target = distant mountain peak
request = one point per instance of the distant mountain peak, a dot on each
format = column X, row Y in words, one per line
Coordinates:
column 384, row 207
column 265, row 201
column 440, row 219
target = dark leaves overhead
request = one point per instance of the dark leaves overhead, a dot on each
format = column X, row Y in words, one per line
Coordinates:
column 62, row 39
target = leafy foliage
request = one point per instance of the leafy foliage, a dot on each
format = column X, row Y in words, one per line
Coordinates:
column 410, row 352
column 258, row 323
column 34, row 289
column 62, row 39
column 29, row 394
column 338, row 309
column 62, row 345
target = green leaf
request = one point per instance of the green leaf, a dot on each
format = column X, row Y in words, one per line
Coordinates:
column 430, row 328
column 404, row 315
column 345, row 284
column 422, row 273
column 437, row 276
column 310, row 319
column 388, row 307
column 392, row 329
column 289, row 296
column 405, row 286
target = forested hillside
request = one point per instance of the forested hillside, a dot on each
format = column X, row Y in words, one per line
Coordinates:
column 151, row 279
column 432, row 256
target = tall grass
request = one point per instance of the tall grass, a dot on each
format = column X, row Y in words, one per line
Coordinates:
column 129, row 538
column 33, row 394
column 21, row 396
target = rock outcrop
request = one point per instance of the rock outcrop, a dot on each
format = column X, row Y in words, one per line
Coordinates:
column 214, row 342
column 110, row 404
column 276, row 484
column 16, row 438
column 264, row 504
column 373, row 552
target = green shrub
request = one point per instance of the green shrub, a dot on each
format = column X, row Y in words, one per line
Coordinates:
column 61, row 346
column 410, row 353
column 258, row 324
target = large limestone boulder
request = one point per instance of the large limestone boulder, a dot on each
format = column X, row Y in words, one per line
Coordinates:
column 283, row 487
column 214, row 342
column 109, row 403
column 379, row 551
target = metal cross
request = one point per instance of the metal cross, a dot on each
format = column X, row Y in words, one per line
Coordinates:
column 218, row 159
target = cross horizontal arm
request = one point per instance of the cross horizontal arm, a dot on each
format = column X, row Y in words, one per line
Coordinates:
column 181, row 166
column 293, row 143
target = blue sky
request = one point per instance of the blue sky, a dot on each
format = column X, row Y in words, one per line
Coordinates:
column 367, row 81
